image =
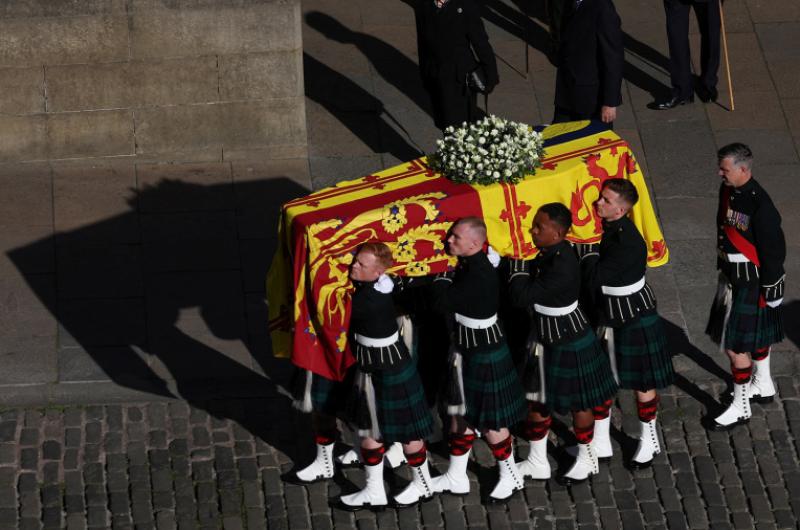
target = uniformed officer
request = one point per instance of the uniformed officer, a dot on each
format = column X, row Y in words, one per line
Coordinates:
column 387, row 403
column 634, row 335
column 573, row 373
column 484, row 392
column 746, row 317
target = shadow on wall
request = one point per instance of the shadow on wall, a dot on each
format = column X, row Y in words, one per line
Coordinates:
column 161, row 291
column 357, row 109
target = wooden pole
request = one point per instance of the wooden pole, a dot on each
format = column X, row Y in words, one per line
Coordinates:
column 725, row 50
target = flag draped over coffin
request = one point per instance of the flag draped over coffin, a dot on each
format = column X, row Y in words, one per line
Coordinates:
column 410, row 208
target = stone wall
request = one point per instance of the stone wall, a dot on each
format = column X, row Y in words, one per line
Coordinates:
column 199, row 80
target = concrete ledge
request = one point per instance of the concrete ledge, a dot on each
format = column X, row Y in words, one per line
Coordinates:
column 49, row 8
column 261, row 76
column 87, row 134
column 23, row 137
column 66, row 40
column 134, row 84
column 240, row 125
column 22, row 90
column 191, row 32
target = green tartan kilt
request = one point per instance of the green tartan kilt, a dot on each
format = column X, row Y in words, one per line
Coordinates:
column 750, row 327
column 403, row 413
column 577, row 374
column 493, row 395
column 643, row 362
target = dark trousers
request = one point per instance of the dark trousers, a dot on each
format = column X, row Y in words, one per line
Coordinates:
column 453, row 104
column 707, row 14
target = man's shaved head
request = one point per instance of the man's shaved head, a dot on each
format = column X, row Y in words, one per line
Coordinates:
column 476, row 225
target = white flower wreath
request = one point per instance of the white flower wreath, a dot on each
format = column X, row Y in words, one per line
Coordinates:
column 488, row 151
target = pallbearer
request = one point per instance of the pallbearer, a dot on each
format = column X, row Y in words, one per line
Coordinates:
column 484, row 392
column 745, row 318
column 573, row 373
column 630, row 327
column 388, row 403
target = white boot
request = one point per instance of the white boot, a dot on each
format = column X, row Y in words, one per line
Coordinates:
column 420, row 489
column 585, row 465
column 394, row 455
column 762, row 389
column 536, row 466
column 648, row 445
column 372, row 496
column 737, row 412
column 455, row 481
column 601, row 443
column 321, row 468
column 510, row 480
column 350, row 458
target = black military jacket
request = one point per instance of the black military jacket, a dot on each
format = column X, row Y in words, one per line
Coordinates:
column 373, row 315
column 372, row 312
column 474, row 290
column 471, row 291
column 552, row 280
column 622, row 261
column 748, row 223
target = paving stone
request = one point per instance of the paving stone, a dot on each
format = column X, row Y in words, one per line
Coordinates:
column 29, row 436
column 8, row 453
column 29, row 459
column 96, row 495
column 742, row 520
column 136, row 432
column 51, row 472
column 92, row 452
column 97, row 516
column 74, row 504
column 760, row 508
column 201, row 436
column 72, row 437
column 8, row 431
column 220, row 437
column 27, row 483
column 94, row 431
column 112, row 442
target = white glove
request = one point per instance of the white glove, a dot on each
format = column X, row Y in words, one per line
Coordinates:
column 493, row 256
column 384, row 284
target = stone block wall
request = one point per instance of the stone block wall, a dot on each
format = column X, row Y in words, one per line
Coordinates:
column 168, row 80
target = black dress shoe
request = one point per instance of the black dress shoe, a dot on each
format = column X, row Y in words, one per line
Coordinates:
column 672, row 102
column 707, row 94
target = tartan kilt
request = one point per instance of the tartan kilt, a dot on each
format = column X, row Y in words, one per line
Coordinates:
column 577, row 374
column 642, row 359
column 493, row 395
column 400, row 405
column 749, row 327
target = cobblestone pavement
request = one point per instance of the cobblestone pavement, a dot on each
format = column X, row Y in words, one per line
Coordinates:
column 170, row 465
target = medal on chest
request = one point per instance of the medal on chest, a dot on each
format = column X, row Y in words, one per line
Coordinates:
column 738, row 219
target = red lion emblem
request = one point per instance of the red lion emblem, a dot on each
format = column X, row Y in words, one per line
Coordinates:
column 582, row 210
